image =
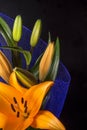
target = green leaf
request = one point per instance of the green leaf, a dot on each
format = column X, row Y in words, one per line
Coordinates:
column 6, row 32
column 45, row 100
column 55, row 63
column 5, row 26
column 35, row 68
column 27, row 54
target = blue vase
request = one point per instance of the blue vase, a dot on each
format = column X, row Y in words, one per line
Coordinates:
column 59, row 91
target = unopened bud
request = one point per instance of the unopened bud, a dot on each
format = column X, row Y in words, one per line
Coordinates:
column 17, row 28
column 5, row 67
column 36, row 33
column 46, row 61
column 25, row 77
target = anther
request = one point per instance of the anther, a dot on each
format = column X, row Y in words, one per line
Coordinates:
column 18, row 114
column 25, row 104
column 22, row 100
column 15, row 101
column 28, row 114
column 12, row 107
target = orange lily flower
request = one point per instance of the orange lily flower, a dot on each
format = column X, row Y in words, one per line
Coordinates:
column 20, row 110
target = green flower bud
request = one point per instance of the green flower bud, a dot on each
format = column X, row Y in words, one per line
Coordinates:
column 17, row 28
column 25, row 77
column 36, row 33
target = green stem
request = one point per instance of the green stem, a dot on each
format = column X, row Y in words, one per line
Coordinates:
column 16, row 59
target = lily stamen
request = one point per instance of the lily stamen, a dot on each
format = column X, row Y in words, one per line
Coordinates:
column 16, row 105
column 16, row 108
column 25, row 111
column 18, row 114
column 25, row 104
column 15, row 101
column 22, row 100
column 12, row 106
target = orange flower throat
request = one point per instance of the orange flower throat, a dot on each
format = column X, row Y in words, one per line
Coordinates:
column 16, row 108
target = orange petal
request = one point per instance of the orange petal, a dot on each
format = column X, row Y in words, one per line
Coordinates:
column 25, row 124
column 7, row 124
column 6, row 98
column 3, row 119
column 13, row 82
column 46, row 120
column 13, row 124
column 35, row 96
column 20, row 123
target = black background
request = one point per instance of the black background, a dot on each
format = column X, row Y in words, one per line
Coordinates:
column 68, row 20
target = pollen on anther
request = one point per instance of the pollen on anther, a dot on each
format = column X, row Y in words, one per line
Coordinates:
column 18, row 114
column 22, row 100
column 15, row 101
column 12, row 107
column 25, row 104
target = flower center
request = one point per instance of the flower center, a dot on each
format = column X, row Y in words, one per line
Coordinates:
column 16, row 108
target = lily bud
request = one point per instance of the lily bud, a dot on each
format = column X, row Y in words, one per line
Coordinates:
column 25, row 77
column 36, row 33
column 17, row 28
column 46, row 61
column 5, row 67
